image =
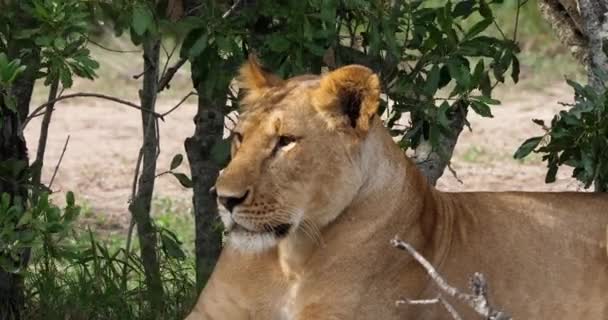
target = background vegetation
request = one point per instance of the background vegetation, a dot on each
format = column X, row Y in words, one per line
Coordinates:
column 437, row 60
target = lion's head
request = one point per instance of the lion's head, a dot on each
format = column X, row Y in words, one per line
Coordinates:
column 295, row 153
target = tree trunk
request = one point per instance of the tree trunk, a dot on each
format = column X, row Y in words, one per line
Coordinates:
column 433, row 163
column 595, row 25
column 13, row 147
column 141, row 205
column 209, row 126
column 44, row 133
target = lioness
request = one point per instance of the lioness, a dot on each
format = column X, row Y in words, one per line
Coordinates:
column 316, row 189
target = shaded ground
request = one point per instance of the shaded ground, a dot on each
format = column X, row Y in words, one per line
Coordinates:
column 105, row 138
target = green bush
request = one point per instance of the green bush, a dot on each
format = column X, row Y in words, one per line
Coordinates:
column 577, row 137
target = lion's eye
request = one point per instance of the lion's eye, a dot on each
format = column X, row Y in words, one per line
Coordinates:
column 285, row 142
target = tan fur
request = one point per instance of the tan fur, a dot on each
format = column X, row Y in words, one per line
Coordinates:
column 348, row 190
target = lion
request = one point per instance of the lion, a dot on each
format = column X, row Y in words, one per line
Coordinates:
column 316, row 189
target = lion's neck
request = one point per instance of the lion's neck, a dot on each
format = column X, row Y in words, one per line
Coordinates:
column 394, row 197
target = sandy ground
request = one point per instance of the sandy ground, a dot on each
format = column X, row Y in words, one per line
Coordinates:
column 104, row 140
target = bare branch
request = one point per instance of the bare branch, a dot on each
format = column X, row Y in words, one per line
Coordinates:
column 421, row 301
column 164, row 72
column 168, row 76
column 37, row 112
column 191, row 93
column 110, row 49
column 65, row 146
column 229, row 12
column 478, row 301
column 44, row 130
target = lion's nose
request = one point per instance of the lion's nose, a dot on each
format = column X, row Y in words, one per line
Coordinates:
column 229, row 202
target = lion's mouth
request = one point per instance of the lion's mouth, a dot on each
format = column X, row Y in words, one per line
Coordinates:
column 279, row 231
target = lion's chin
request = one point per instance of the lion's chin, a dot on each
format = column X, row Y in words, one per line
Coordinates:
column 248, row 241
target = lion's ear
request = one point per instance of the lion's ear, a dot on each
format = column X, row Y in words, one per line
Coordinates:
column 255, row 79
column 350, row 94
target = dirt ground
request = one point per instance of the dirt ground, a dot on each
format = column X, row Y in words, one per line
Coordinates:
column 104, row 140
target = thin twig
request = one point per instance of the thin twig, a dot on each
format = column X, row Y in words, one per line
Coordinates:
column 478, row 301
column 453, row 172
column 229, row 12
column 169, row 56
column 37, row 112
column 191, row 93
column 450, row 308
column 131, row 221
column 139, row 75
column 65, row 146
column 420, row 301
column 110, row 49
column 516, row 20
column 163, row 83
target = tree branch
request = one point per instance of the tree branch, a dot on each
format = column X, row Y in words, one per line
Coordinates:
column 37, row 112
column 44, row 131
column 168, row 76
column 191, row 93
column 478, row 300
column 65, row 146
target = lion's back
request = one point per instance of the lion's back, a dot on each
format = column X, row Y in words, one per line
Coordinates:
column 544, row 254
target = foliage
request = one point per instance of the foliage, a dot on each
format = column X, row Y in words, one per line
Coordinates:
column 9, row 70
column 99, row 282
column 577, row 137
column 58, row 30
column 434, row 60
column 40, row 225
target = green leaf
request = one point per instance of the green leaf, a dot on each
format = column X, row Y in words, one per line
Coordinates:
column 578, row 88
column 481, row 108
column 442, row 117
column 515, row 69
column 484, row 9
column 478, row 72
column 432, row 81
column 551, row 173
column 478, row 28
column 54, row 227
column 279, row 43
column 171, row 247
column 459, row 72
column 142, row 19
column 199, row 46
column 25, row 219
column 183, row 179
column 539, row 122
column 487, row 100
column 66, row 78
column 177, row 160
column 463, row 9
column 69, row 199
column 59, row 43
column 527, row 147
column 485, row 85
